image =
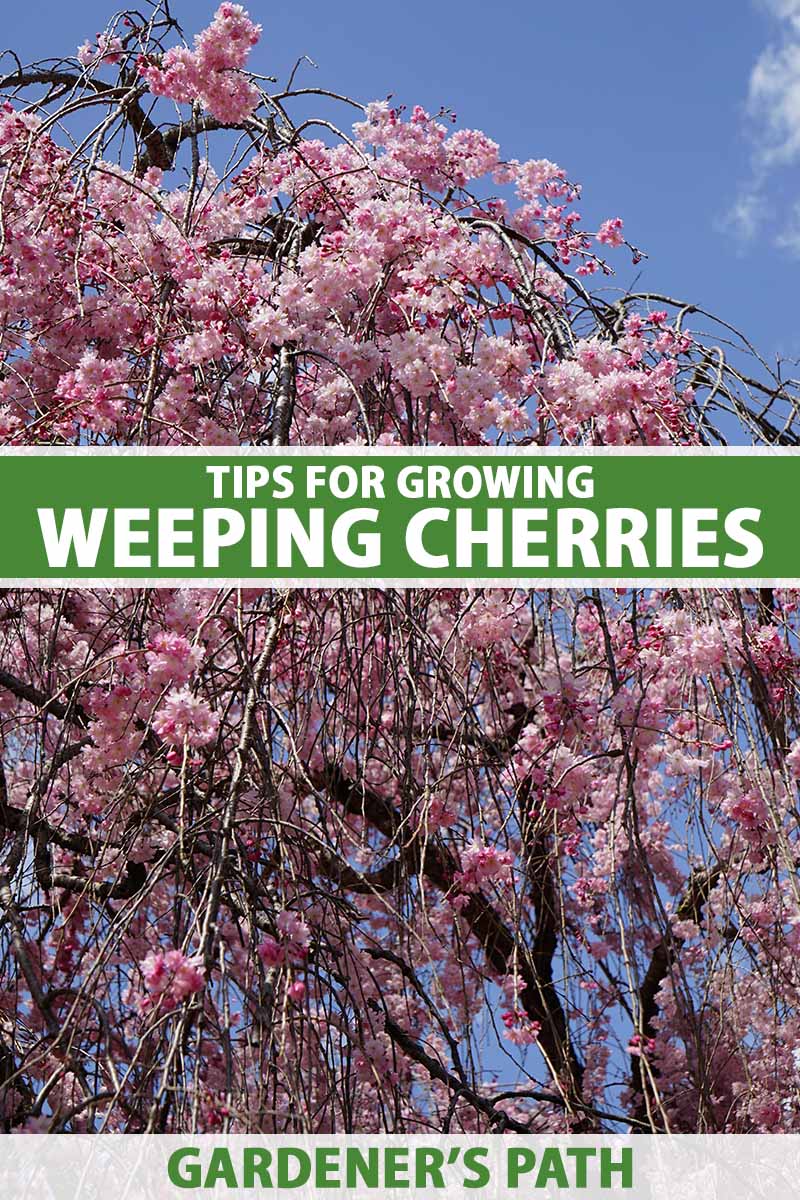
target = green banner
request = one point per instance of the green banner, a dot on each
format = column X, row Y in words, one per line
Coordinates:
column 433, row 517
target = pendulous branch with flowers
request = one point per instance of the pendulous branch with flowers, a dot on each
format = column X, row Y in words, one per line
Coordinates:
column 351, row 861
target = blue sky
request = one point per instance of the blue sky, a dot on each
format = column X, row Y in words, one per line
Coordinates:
column 681, row 117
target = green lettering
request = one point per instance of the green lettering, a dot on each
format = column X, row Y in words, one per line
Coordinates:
column 220, row 1169
column 366, row 1169
column 287, row 1155
column 428, row 1166
column 552, row 1169
column 255, row 1166
column 520, row 1162
column 581, row 1154
column 395, row 1164
column 327, row 1167
column 480, row 1174
column 182, row 1173
column 623, row 1168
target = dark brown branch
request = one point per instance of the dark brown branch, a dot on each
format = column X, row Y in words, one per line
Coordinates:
column 540, row 997
column 701, row 884
column 158, row 154
column 47, row 705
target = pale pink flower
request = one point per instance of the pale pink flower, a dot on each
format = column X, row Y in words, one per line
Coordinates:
column 171, row 976
column 183, row 716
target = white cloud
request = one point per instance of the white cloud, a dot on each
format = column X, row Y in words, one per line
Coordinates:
column 773, row 111
column 784, row 10
column 789, row 239
column 774, row 102
column 745, row 214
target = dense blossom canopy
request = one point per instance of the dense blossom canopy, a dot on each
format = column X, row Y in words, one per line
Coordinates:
column 350, row 861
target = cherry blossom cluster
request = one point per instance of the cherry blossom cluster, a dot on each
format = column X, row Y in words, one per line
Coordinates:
column 414, row 308
column 211, row 73
column 170, row 977
column 367, row 860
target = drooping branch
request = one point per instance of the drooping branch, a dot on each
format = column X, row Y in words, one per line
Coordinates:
column 663, row 958
column 501, row 947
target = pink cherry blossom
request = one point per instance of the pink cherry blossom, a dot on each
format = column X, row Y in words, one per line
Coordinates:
column 185, row 716
column 105, row 49
column 170, row 977
column 209, row 73
column 270, row 952
column 610, row 233
column 367, row 859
